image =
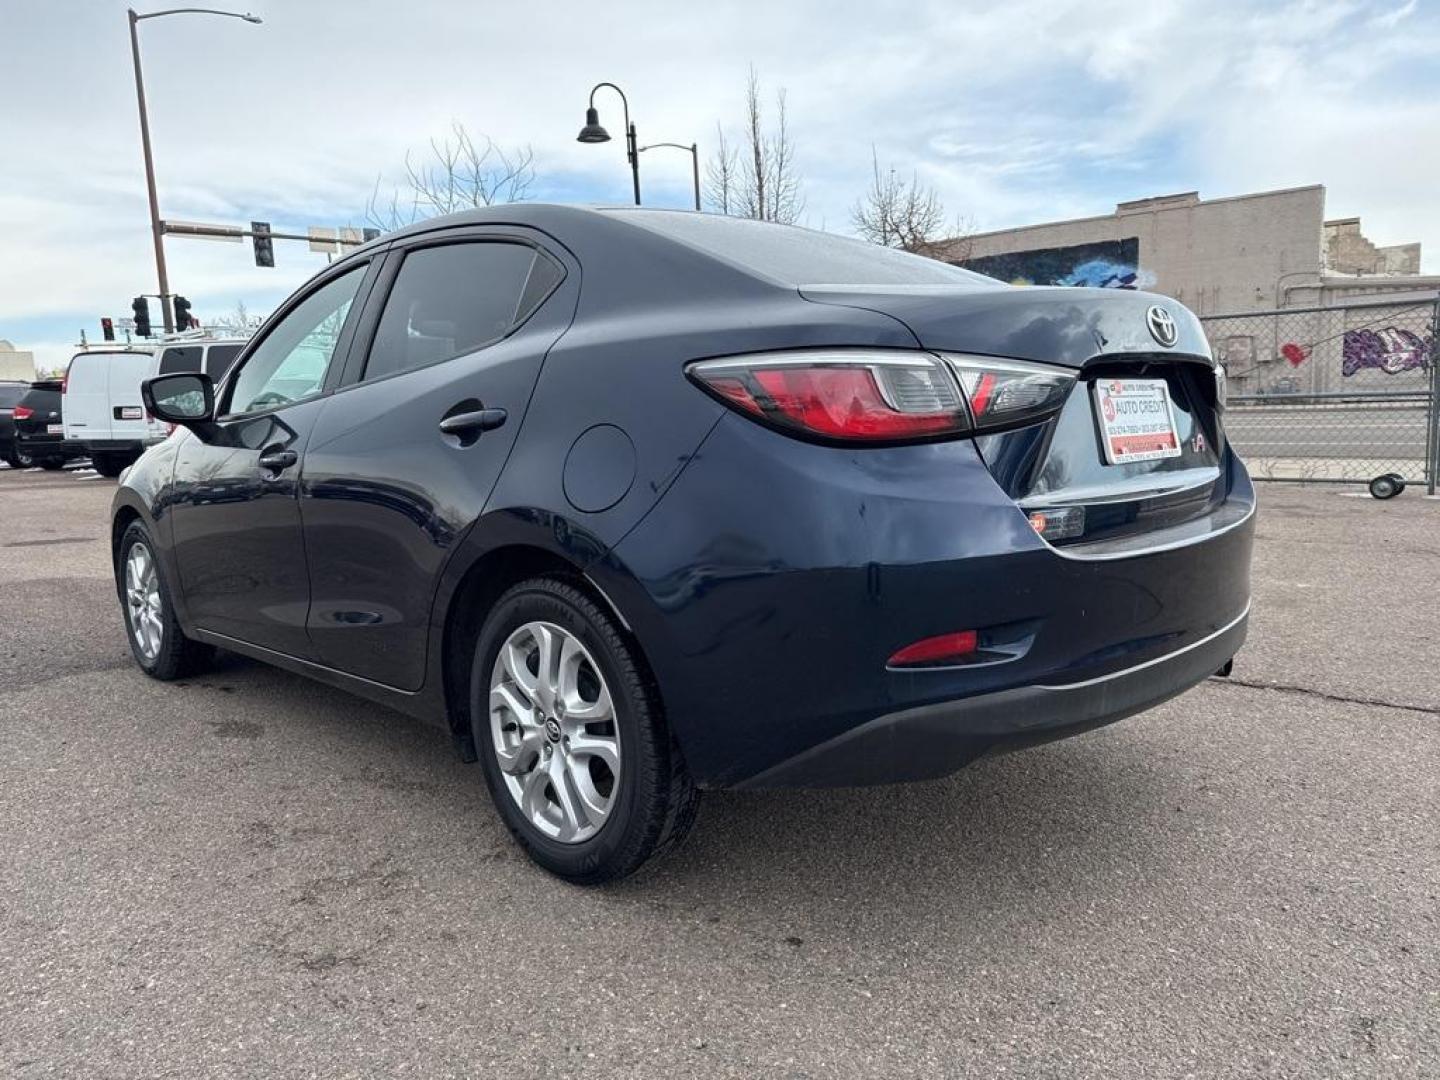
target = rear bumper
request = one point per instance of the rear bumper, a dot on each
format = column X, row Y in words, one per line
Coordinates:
column 935, row 740
column 767, row 611
column 112, row 446
column 43, row 445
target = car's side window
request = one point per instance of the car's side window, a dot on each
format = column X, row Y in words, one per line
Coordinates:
column 289, row 364
column 218, row 359
column 179, row 358
column 452, row 299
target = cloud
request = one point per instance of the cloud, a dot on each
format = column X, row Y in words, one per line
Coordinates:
column 1016, row 112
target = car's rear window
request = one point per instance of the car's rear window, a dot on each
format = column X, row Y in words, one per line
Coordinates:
column 10, row 393
column 796, row 256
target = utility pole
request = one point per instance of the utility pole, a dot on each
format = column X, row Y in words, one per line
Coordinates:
column 155, row 227
column 155, row 233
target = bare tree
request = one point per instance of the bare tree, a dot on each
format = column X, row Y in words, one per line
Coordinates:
column 722, row 182
column 908, row 215
column 757, row 179
column 238, row 323
column 462, row 172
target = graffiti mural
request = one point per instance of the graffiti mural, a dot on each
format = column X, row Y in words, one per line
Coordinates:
column 1106, row 264
column 1391, row 350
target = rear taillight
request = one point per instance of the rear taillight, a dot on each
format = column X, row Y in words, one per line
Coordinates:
column 847, row 396
column 883, row 396
column 1008, row 393
column 23, row 412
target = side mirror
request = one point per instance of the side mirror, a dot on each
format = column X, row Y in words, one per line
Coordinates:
column 186, row 398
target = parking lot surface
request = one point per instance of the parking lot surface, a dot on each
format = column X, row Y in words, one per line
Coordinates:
column 249, row 874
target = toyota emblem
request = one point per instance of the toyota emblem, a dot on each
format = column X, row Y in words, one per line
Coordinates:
column 1162, row 325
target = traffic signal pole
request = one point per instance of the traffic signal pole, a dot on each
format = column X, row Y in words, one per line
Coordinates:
column 156, row 232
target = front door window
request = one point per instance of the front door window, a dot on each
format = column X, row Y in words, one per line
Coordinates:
column 289, row 364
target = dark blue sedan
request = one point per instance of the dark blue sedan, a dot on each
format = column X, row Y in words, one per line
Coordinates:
column 636, row 503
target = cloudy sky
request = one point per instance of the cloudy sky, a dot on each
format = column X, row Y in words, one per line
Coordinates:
column 1016, row 112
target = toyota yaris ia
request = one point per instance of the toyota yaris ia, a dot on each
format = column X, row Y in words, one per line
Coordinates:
column 635, row 503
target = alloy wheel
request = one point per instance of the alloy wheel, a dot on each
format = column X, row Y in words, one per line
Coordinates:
column 142, row 600
column 553, row 732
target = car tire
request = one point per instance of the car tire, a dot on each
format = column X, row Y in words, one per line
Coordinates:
column 157, row 642
column 18, row 460
column 111, row 465
column 644, row 810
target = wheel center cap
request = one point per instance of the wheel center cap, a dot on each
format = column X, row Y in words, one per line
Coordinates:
column 552, row 729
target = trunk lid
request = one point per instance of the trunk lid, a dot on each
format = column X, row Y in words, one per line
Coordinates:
column 1050, row 325
column 1059, row 469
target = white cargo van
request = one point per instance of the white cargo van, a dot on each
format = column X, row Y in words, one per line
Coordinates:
column 102, row 410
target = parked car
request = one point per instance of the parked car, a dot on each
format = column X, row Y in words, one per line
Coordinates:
column 638, row 502
column 39, row 433
column 30, row 426
column 11, row 391
column 104, row 416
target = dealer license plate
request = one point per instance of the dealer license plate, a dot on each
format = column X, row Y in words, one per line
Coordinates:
column 1136, row 422
column 54, row 429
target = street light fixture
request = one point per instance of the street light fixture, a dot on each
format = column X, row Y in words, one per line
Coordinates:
column 155, row 228
column 694, row 152
column 592, row 132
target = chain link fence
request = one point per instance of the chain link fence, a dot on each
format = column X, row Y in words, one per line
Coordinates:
column 1337, row 394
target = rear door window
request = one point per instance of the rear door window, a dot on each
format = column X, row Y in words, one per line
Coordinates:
column 455, row 298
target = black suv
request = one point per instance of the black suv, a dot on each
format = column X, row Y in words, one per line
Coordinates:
column 30, row 428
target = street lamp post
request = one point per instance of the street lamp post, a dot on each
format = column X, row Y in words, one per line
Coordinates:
column 592, row 132
column 694, row 151
column 156, row 230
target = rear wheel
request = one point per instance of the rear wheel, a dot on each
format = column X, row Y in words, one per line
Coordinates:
column 576, row 753
column 159, row 646
column 18, row 459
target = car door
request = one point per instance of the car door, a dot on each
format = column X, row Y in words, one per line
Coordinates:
column 404, row 456
column 234, row 521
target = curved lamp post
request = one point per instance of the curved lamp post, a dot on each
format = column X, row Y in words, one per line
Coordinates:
column 159, row 237
column 694, row 151
column 593, row 132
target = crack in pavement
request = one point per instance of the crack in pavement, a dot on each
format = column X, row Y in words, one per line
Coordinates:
column 1323, row 695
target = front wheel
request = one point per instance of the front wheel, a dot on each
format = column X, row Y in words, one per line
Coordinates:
column 575, row 750
column 160, row 647
column 111, row 465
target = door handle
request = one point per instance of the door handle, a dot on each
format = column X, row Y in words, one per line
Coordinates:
column 278, row 460
column 477, row 421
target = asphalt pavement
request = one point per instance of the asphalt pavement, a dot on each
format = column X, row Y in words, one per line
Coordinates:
column 248, row 874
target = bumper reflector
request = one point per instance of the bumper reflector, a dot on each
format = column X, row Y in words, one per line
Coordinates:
column 939, row 650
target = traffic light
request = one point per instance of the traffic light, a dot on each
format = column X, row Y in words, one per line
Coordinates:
column 183, row 319
column 107, row 329
column 264, row 246
column 141, row 307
